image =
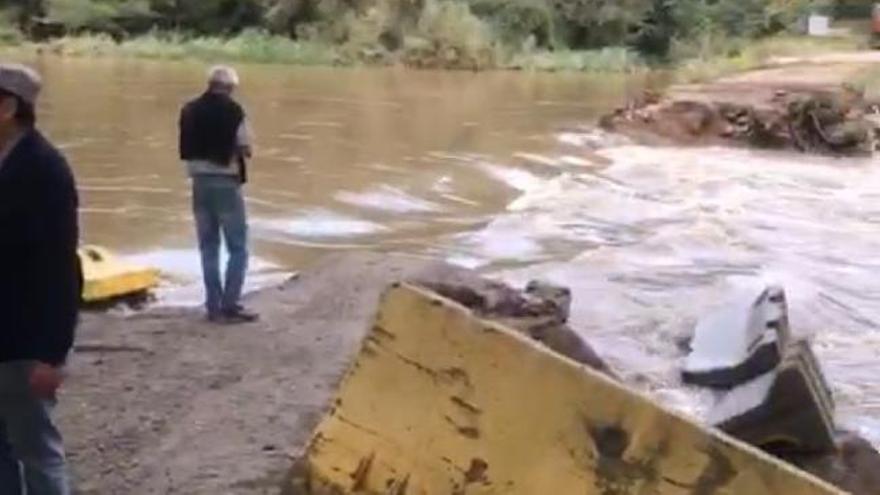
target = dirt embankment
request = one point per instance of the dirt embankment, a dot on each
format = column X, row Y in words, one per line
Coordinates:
column 813, row 105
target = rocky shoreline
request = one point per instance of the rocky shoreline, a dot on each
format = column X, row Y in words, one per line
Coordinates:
column 163, row 402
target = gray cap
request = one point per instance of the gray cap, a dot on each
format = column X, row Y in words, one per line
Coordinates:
column 21, row 81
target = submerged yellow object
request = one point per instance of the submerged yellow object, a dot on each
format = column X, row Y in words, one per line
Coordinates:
column 107, row 277
column 441, row 402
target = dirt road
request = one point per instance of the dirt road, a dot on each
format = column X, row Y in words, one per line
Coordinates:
column 818, row 72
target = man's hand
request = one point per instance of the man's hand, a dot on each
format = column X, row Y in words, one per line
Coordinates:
column 45, row 380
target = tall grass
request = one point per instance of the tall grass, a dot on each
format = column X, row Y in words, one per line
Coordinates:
column 869, row 82
column 612, row 60
column 446, row 35
column 249, row 46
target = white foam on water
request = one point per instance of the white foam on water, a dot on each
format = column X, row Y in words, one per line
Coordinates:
column 321, row 223
column 469, row 262
column 575, row 161
column 518, row 179
column 320, row 123
column 590, row 138
column 443, row 185
column 388, row 198
column 296, row 136
column 536, row 158
column 660, row 237
column 181, row 272
column 504, row 242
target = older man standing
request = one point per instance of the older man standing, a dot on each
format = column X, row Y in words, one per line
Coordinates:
column 40, row 287
column 214, row 144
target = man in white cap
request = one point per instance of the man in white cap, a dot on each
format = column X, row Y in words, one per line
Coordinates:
column 40, row 288
column 214, row 144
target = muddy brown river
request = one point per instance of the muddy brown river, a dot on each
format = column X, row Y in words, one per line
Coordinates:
column 503, row 172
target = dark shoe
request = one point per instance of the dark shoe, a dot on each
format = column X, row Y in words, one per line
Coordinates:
column 215, row 318
column 239, row 315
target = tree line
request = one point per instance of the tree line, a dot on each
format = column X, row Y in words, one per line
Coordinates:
column 651, row 27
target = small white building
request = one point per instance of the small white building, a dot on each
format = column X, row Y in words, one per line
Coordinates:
column 818, row 25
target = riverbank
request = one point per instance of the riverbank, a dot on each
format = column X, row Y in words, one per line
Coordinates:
column 165, row 402
column 263, row 48
column 459, row 34
column 254, row 46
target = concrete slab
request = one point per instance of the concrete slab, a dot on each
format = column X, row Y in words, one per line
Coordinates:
column 788, row 410
column 740, row 342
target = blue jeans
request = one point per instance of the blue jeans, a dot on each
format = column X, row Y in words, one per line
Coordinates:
column 218, row 206
column 31, row 450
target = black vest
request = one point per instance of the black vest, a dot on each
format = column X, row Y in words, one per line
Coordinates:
column 209, row 129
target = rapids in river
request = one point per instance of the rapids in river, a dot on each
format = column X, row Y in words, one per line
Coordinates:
column 504, row 172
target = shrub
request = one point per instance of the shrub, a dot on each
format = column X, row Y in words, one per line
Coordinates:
column 610, row 60
column 10, row 35
column 686, row 28
column 449, row 35
column 78, row 14
column 516, row 21
column 599, row 23
column 585, row 34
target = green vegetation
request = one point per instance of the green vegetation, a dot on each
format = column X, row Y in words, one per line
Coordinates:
column 248, row 46
column 706, row 36
column 869, row 83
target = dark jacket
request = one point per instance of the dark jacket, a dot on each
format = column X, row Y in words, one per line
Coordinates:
column 209, row 129
column 40, row 274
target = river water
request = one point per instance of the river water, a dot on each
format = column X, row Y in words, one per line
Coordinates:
column 503, row 172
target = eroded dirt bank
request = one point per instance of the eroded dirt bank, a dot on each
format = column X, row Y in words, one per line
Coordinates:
column 816, row 105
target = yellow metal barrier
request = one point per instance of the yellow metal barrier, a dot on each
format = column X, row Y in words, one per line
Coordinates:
column 107, row 277
column 440, row 402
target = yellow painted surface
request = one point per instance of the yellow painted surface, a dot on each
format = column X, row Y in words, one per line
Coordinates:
column 107, row 277
column 441, row 403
